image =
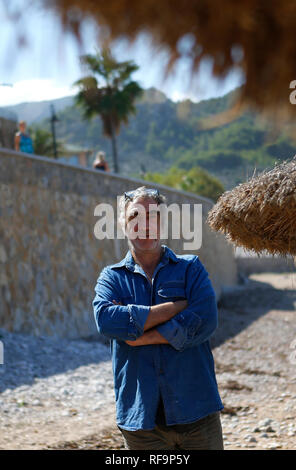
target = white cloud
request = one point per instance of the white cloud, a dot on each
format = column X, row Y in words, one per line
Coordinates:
column 33, row 90
column 177, row 95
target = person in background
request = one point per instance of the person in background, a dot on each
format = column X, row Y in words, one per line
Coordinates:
column 22, row 140
column 100, row 162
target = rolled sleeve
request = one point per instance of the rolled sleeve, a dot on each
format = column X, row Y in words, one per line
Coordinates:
column 138, row 316
column 189, row 328
column 198, row 321
column 179, row 331
column 121, row 322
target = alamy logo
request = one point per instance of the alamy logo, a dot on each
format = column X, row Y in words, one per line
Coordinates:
column 293, row 93
column 186, row 223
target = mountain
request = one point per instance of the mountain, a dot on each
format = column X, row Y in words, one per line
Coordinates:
column 154, row 139
column 35, row 112
column 8, row 114
column 152, row 95
column 163, row 134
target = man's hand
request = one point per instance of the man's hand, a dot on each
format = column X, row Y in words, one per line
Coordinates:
column 158, row 314
column 149, row 337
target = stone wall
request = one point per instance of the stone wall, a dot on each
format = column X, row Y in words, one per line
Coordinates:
column 8, row 128
column 49, row 256
column 265, row 264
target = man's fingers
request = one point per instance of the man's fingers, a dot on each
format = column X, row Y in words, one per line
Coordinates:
column 132, row 343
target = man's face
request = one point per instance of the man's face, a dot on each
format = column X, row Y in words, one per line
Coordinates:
column 142, row 224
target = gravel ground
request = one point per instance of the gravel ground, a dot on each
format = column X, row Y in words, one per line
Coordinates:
column 58, row 394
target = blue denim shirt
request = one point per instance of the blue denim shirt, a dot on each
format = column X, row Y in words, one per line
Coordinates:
column 181, row 372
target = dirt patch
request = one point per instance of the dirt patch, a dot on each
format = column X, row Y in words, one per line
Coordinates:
column 254, row 357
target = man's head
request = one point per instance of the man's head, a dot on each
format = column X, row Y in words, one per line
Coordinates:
column 140, row 218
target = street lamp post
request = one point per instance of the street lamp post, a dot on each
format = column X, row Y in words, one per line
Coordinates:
column 53, row 120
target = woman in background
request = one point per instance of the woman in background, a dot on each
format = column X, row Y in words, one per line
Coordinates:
column 100, row 162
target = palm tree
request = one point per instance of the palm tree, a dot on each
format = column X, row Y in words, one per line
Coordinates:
column 111, row 96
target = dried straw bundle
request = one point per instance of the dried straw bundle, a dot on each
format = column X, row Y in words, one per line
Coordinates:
column 260, row 214
column 259, row 36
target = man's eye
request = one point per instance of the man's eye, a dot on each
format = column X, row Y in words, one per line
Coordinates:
column 133, row 215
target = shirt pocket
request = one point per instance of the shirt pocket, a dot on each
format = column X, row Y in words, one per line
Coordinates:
column 171, row 291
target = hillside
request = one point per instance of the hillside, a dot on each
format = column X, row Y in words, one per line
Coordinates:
column 164, row 134
column 34, row 112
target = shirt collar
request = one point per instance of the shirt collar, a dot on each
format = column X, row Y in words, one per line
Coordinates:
column 129, row 261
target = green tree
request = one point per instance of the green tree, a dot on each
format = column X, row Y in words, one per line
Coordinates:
column 196, row 181
column 43, row 142
column 201, row 182
column 111, row 96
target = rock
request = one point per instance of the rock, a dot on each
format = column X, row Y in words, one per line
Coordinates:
column 274, row 446
column 265, row 422
column 269, row 429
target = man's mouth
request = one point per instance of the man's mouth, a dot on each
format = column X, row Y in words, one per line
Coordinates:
column 147, row 235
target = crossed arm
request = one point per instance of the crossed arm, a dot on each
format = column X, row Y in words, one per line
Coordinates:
column 178, row 324
column 158, row 314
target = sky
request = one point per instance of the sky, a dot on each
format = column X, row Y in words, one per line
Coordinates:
column 48, row 65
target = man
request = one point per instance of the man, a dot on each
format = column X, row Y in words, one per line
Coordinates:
column 159, row 310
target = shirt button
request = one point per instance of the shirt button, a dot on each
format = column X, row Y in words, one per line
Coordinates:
column 161, row 371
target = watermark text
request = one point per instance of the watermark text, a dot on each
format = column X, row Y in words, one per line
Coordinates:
column 293, row 93
column 142, row 223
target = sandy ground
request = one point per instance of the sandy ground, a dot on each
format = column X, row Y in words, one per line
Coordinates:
column 255, row 355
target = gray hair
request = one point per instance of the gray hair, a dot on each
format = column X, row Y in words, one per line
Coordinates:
column 101, row 154
column 139, row 193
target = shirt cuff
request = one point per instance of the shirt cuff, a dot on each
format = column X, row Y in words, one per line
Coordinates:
column 173, row 333
column 138, row 316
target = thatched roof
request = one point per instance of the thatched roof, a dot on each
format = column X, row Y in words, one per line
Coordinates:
column 257, row 35
column 260, row 214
